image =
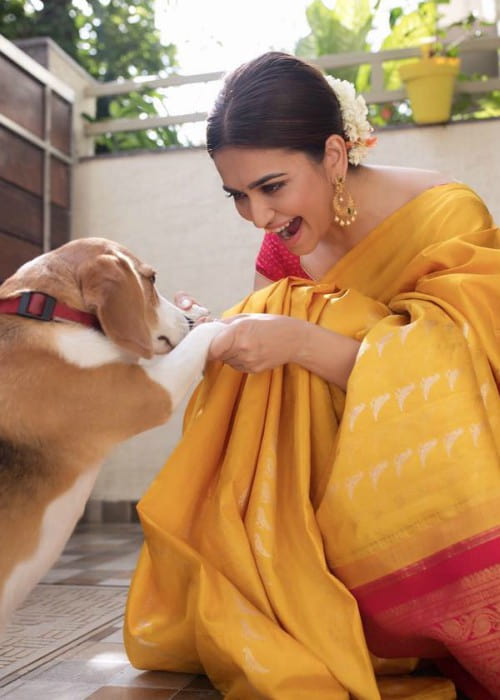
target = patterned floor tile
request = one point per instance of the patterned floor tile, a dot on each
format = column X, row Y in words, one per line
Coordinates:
column 67, row 643
column 54, row 617
column 37, row 690
column 72, row 670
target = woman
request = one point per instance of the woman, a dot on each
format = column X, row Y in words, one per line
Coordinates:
column 344, row 503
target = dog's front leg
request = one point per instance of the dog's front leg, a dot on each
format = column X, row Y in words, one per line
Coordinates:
column 178, row 371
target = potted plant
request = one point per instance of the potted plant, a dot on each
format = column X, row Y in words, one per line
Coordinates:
column 430, row 83
column 430, row 80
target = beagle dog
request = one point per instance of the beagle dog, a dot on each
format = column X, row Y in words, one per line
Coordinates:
column 90, row 355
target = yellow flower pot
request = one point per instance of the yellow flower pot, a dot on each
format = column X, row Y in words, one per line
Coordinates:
column 429, row 84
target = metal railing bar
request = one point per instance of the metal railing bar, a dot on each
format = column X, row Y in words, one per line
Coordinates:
column 377, row 94
column 478, row 86
column 116, row 125
column 120, row 87
column 327, row 62
column 372, row 97
column 342, row 60
column 359, row 58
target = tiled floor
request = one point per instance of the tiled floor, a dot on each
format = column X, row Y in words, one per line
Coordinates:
column 66, row 642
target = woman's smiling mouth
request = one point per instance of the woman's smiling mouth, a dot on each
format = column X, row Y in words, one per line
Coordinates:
column 289, row 229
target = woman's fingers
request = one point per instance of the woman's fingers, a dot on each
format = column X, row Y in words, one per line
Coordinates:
column 184, row 300
column 190, row 306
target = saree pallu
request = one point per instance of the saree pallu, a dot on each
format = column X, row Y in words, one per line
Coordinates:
column 297, row 530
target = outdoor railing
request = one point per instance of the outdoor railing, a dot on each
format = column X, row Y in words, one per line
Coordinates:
column 376, row 95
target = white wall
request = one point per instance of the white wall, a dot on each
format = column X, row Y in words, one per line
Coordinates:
column 169, row 208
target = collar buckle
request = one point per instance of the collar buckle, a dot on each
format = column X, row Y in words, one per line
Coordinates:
column 41, row 312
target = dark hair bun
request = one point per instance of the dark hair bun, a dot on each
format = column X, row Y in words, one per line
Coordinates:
column 275, row 101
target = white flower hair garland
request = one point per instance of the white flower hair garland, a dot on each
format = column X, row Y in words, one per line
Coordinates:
column 357, row 128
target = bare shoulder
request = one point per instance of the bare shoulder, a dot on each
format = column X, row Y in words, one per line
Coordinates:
column 395, row 186
column 384, row 190
column 410, row 182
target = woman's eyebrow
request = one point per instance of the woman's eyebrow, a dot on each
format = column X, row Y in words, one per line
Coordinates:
column 264, row 179
column 254, row 184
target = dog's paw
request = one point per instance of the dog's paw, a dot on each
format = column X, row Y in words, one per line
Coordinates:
column 206, row 332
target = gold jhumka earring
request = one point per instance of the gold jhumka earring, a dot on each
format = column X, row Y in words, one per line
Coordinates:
column 343, row 203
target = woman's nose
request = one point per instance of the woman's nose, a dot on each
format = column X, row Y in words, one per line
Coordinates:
column 261, row 214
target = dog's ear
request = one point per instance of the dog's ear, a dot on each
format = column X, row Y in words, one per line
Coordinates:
column 111, row 290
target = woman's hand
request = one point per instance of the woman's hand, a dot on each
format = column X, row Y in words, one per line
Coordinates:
column 257, row 342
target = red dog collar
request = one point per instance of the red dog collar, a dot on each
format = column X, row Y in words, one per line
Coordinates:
column 43, row 307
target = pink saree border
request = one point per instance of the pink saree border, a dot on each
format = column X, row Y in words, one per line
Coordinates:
column 436, row 535
column 446, row 605
column 435, row 571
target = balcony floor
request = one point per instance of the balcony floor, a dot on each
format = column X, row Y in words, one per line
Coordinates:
column 65, row 643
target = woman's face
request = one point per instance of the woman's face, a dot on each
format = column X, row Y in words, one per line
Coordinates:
column 281, row 191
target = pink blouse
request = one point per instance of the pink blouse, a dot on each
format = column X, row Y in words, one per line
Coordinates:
column 275, row 261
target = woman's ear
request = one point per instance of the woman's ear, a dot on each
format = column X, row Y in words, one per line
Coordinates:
column 335, row 158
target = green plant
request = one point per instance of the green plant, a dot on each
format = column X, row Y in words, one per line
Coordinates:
column 347, row 27
column 469, row 28
column 344, row 28
column 110, row 39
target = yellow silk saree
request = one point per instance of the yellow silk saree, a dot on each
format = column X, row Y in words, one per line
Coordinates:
column 297, row 531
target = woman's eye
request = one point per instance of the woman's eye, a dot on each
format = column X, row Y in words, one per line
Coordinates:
column 235, row 195
column 152, row 278
column 273, row 187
